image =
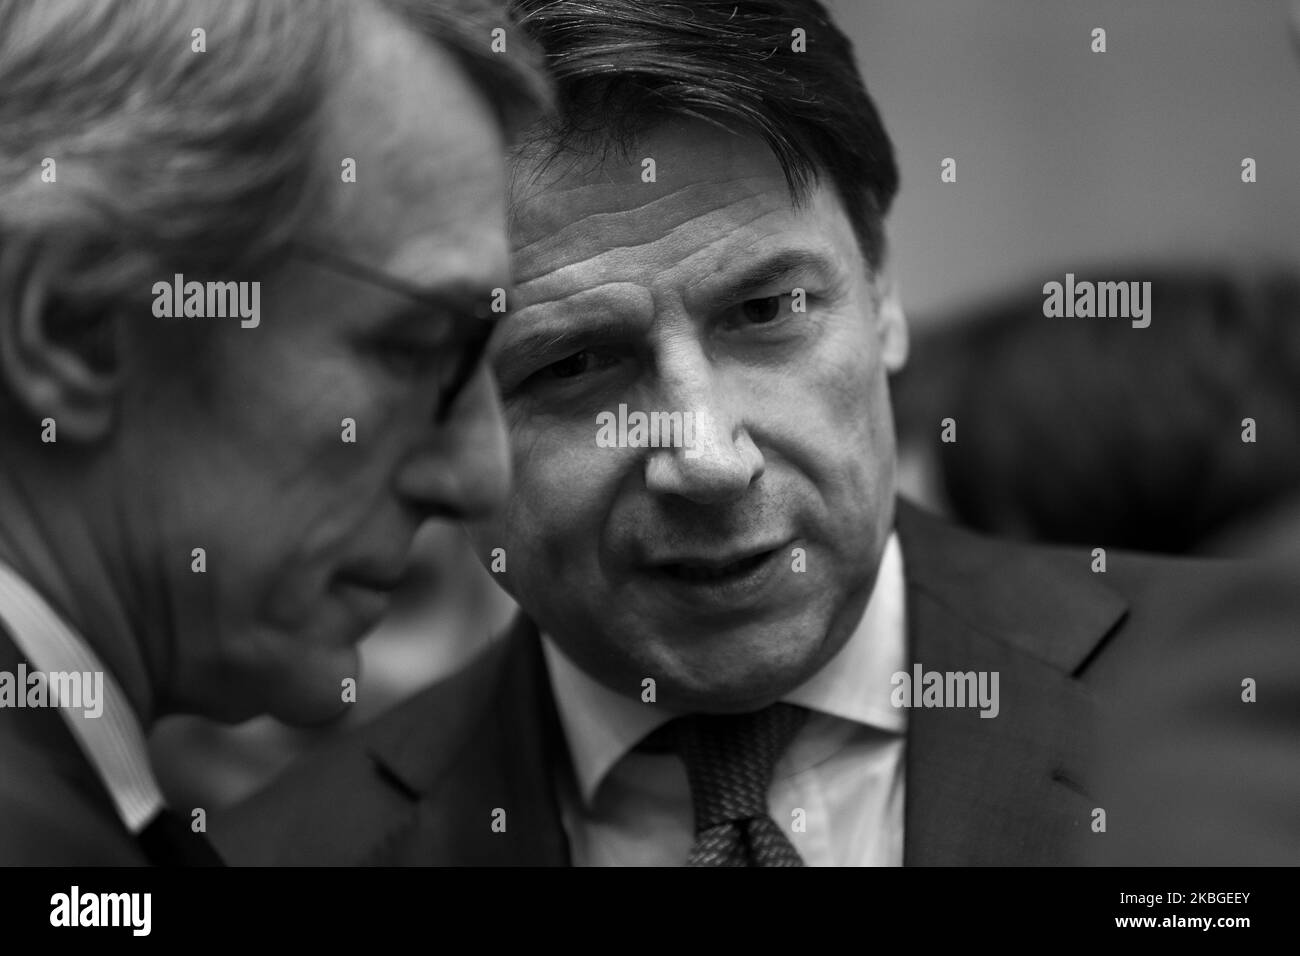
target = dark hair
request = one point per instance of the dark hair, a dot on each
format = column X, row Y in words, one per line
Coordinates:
column 622, row 64
column 1088, row 431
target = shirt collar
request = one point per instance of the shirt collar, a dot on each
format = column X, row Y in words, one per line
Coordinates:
column 114, row 741
column 601, row 726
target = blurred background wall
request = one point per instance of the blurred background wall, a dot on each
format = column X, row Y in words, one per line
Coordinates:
column 1065, row 156
column 1065, row 159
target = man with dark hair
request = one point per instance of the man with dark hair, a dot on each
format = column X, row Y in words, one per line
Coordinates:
column 244, row 259
column 735, row 647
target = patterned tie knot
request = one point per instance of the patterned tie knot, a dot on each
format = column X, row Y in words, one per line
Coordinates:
column 730, row 758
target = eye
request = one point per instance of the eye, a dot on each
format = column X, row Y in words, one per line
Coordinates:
column 573, row 374
column 581, row 363
column 760, row 311
column 570, row 367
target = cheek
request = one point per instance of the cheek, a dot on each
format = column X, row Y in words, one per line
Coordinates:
column 275, row 461
column 565, row 489
column 861, row 439
column 829, row 397
column 317, row 415
column 852, row 385
column 838, row 427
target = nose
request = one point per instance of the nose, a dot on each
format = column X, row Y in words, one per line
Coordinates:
column 463, row 470
column 719, row 460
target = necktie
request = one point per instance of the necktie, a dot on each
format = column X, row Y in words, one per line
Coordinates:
column 729, row 761
column 169, row 841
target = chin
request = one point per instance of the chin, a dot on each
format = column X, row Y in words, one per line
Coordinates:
column 731, row 697
column 312, row 692
column 747, row 678
column 303, row 688
column 310, row 710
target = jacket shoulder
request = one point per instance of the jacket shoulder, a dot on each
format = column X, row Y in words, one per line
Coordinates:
column 1093, row 614
column 337, row 804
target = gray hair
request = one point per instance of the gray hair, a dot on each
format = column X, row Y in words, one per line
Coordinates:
column 170, row 161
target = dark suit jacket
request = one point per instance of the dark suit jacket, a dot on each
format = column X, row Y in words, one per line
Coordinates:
column 420, row 785
column 54, row 810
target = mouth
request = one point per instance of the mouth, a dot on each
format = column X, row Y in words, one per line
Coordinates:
column 384, row 576
column 736, row 573
column 715, row 570
column 380, row 584
column 369, row 589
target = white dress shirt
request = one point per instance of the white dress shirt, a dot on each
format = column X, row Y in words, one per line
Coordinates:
column 844, row 769
column 113, row 742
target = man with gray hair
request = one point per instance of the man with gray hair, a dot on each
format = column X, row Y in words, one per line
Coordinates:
column 247, row 263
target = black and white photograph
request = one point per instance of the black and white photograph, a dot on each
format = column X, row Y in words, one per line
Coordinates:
column 515, row 434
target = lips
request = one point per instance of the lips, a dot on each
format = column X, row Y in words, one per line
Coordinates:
column 384, row 584
column 715, row 567
column 719, row 585
column 710, row 570
column 375, row 576
column 368, row 588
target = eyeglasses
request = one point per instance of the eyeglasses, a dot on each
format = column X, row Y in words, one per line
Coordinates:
column 469, row 334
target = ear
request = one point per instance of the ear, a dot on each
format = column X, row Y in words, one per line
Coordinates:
column 891, row 323
column 57, row 360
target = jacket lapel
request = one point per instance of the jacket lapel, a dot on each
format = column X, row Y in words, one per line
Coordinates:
column 1009, row 789
column 45, row 767
column 488, row 799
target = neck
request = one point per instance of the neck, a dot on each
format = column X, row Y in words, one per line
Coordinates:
column 46, row 538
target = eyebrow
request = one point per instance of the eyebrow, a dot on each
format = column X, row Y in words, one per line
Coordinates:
column 562, row 338
column 776, row 269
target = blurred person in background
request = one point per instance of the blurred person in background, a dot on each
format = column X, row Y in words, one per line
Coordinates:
column 1199, row 772
column 1089, row 432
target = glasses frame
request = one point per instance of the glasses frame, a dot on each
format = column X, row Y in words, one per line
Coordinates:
column 469, row 334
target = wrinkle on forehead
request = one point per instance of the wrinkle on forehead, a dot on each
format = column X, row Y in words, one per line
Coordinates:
column 618, row 214
column 699, row 169
column 719, row 199
column 608, row 249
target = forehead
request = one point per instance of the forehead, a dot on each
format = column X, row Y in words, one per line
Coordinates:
column 717, row 197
